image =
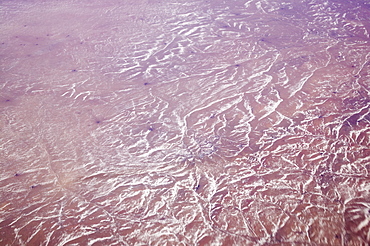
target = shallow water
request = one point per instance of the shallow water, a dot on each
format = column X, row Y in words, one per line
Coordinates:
column 177, row 122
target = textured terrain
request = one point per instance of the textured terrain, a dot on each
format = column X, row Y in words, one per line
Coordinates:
column 185, row 122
